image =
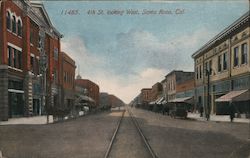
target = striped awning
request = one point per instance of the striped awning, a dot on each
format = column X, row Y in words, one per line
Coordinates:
column 241, row 95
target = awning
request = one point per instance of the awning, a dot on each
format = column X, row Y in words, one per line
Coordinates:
column 189, row 100
column 164, row 102
column 152, row 102
column 241, row 95
column 159, row 101
column 84, row 98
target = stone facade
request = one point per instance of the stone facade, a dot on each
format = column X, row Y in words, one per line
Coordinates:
column 227, row 57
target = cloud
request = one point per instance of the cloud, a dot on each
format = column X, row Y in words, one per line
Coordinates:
column 87, row 61
column 138, row 60
column 114, row 85
column 143, row 49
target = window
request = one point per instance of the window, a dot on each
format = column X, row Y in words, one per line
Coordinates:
column 197, row 73
column 55, row 53
column 8, row 19
column 32, row 64
column 200, row 72
column 224, row 61
column 210, row 67
column 206, row 67
column 14, row 24
column 244, row 53
column 236, row 56
column 219, row 63
column 19, row 59
column 9, row 56
column 19, row 28
column 31, row 36
column 15, row 58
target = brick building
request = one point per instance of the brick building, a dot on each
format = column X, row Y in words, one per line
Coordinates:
column 156, row 91
column 68, row 72
column 26, row 32
column 173, row 79
column 91, row 87
column 145, row 95
column 115, row 101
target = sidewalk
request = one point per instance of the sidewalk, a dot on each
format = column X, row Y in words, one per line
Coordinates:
column 217, row 118
column 35, row 120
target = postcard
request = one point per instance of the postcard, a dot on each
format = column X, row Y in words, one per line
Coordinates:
column 124, row 79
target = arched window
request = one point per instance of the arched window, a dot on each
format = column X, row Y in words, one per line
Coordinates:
column 13, row 24
column 8, row 21
column 19, row 28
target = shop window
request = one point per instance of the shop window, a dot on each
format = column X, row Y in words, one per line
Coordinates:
column 244, row 53
column 19, row 28
column 14, row 24
column 224, row 61
column 236, row 56
column 8, row 21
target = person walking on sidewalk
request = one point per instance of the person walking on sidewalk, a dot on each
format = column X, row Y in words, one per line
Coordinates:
column 231, row 111
column 201, row 110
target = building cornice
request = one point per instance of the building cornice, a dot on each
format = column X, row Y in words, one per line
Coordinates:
column 26, row 6
column 227, row 31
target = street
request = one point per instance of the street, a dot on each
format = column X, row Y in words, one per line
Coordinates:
column 89, row 136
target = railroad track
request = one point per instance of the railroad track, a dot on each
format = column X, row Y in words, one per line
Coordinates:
column 144, row 139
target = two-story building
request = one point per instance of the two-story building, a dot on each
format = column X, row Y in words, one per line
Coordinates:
column 173, row 79
column 92, row 89
column 68, row 71
column 222, row 69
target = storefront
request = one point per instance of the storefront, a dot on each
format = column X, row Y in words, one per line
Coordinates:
column 16, row 98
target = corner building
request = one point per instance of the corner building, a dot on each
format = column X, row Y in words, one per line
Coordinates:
column 22, row 25
column 223, row 63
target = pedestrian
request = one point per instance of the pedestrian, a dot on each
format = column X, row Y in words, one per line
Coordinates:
column 201, row 111
column 231, row 111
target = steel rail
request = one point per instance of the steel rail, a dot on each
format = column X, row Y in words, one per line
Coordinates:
column 114, row 136
column 142, row 135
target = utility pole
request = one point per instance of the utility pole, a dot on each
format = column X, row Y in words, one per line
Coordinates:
column 43, row 64
column 208, row 72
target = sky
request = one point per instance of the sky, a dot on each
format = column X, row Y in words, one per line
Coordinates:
column 124, row 53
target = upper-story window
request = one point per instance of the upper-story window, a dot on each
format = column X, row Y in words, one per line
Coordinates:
column 236, row 56
column 210, row 67
column 197, row 72
column 219, row 63
column 32, row 63
column 8, row 19
column 13, row 24
column 56, row 53
column 206, row 67
column 244, row 53
column 19, row 28
column 225, row 61
column 9, row 49
column 14, row 57
column 200, row 72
